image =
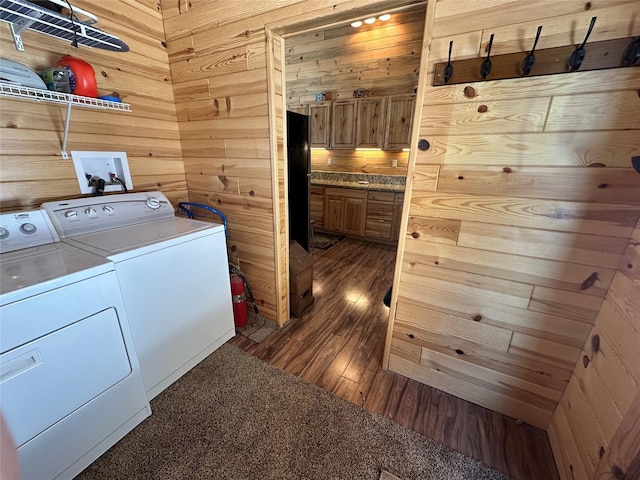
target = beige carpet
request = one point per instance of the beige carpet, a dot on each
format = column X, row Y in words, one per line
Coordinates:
column 236, row 417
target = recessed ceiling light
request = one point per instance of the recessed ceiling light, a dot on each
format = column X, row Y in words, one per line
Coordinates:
column 384, row 18
column 356, row 24
column 369, row 21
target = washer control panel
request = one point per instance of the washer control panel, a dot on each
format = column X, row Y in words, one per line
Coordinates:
column 26, row 229
column 93, row 214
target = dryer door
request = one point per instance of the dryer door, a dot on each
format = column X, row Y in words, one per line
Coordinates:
column 45, row 380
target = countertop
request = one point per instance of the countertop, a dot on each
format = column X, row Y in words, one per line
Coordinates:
column 364, row 181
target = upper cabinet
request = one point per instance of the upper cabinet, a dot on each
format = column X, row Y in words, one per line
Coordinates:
column 370, row 123
column 382, row 122
column 320, row 114
column 343, row 124
column 399, row 121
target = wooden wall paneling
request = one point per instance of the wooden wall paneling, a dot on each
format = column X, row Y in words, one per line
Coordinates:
column 572, row 305
column 278, row 138
column 584, row 249
column 556, row 149
column 490, row 289
column 442, row 375
column 526, row 87
column 563, row 331
column 433, row 230
column 604, row 185
column 488, row 117
column 622, row 458
column 413, row 332
column 595, row 111
column 148, row 134
column 455, row 17
column 361, row 161
column 558, row 215
column 438, row 237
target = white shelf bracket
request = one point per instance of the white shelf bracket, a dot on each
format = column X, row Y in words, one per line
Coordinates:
column 20, row 25
column 66, row 133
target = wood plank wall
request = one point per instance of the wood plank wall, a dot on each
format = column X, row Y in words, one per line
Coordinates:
column 595, row 430
column 217, row 52
column 518, row 216
column 383, row 58
column 31, row 168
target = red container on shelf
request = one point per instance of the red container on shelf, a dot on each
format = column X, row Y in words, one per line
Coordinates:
column 82, row 77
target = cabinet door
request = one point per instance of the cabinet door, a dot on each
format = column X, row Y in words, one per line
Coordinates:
column 370, row 123
column 316, row 205
column 343, row 124
column 379, row 220
column 399, row 121
column 320, row 114
column 397, row 216
column 333, row 213
column 354, row 215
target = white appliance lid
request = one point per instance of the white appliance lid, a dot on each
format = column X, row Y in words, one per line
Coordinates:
column 159, row 233
column 35, row 270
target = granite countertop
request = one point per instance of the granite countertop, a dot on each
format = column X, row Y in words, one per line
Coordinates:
column 364, row 181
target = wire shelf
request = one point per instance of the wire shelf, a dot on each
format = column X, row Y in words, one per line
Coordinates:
column 47, row 96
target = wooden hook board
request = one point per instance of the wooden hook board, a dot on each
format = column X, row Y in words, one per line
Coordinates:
column 599, row 56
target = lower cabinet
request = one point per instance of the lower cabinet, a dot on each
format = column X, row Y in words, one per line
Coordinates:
column 379, row 220
column 373, row 215
column 316, row 205
column 344, row 210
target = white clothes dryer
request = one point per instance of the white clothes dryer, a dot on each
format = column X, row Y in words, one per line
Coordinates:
column 70, row 382
column 173, row 274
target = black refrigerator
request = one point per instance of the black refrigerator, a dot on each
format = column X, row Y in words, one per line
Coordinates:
column 299, row 174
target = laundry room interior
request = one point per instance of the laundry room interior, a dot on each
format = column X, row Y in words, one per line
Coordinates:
column 460, row 252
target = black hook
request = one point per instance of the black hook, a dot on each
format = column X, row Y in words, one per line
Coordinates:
column 632, row 52
column 530, row 60
column 485, row 68
column 448, row 70
column 578, row 54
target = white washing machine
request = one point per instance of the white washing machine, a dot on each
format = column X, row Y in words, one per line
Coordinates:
column 70, row 382
column 173, row 274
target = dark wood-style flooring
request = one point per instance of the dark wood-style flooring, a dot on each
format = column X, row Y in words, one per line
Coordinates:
column 338, row 345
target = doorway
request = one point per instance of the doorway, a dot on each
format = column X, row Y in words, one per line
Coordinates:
column 326, row 65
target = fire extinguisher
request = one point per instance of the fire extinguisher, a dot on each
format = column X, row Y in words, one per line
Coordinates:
column 239, row 299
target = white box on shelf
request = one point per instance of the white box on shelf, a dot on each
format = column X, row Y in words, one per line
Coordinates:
column 112, row 167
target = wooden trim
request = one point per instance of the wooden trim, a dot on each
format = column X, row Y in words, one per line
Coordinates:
column 430, row 15
column 281, row 231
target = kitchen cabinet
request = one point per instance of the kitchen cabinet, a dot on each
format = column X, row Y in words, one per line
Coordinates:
column 382, row 122
column 397, row 216
column 316, row 203
column 343, row 124
column 379, row 218
column 344, row 210
column 399, row 120
column 370, row 123
column 320, row 121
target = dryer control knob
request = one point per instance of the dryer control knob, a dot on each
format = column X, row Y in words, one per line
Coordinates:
column 4, row 233
column 107, row 209
column 90, row 211
column 153, row 203
column 70, row 214
column 28, row 228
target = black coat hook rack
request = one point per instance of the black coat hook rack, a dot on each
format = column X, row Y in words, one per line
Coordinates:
column 617, row 53
column 576, row 58
column 530, row 60
column 485, row 68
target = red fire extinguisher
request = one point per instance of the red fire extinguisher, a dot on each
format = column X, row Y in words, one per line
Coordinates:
column 239, row 299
